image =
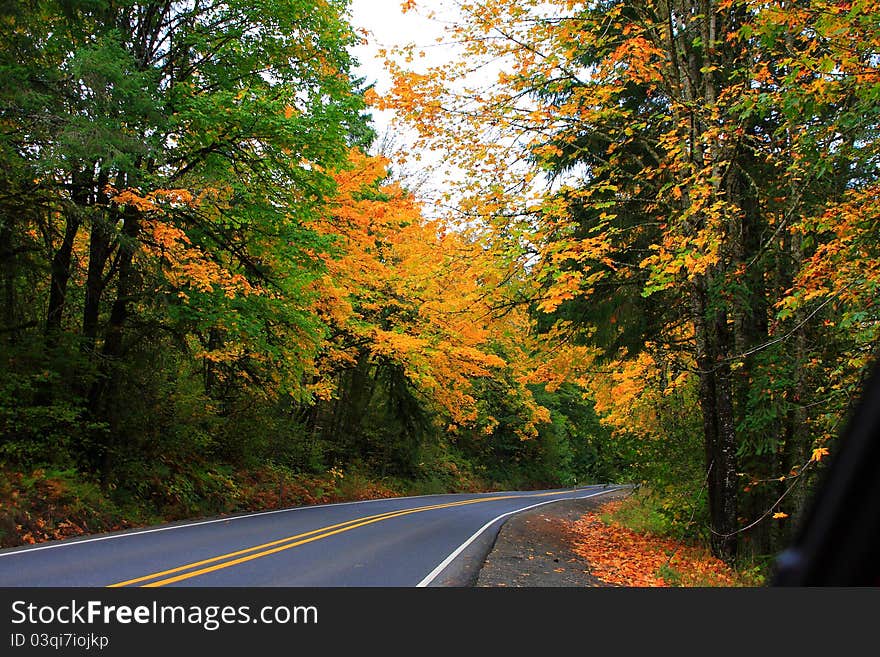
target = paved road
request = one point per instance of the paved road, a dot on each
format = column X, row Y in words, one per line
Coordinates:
column 436, row 540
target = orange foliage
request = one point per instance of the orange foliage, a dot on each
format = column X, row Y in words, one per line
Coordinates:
column 413, row 292
column 186, row 267
column 500, row 134
column 623, row 557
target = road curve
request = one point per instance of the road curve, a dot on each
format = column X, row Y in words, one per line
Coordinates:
column 433, row 540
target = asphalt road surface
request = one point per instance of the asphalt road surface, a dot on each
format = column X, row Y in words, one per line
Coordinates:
column 435, row 540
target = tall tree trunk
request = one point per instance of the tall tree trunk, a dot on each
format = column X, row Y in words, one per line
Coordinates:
column 61, row 261
column 125, row 288
column 10, row 302
column 100, row 249
column 209, row 369
column 716, row 405
column 795, row 449
column 110, row 378
column 60, row 275
column 750, row 330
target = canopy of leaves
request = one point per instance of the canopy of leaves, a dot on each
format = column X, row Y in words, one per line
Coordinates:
column 690, row 185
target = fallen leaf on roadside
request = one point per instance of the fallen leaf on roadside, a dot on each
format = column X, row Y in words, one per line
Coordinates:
column 622, row 557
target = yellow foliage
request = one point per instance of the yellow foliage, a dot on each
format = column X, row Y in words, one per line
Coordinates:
column 413, row 292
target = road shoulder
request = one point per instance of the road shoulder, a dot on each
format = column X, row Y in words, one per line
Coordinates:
column 533, row 548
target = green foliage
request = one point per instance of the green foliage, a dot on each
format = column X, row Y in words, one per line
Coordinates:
column 651, row 511
column 36, row 433
column 669, row 466
column 43, row 415
column 579, row 448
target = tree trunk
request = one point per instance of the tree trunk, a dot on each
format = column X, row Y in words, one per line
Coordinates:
column 10, row 302
column 125, row 287
column 209, row 369
column 719, row 432
column 110, row 378
column 61, row 262
column 796, row 447
column 750, row 330
column 100, row 248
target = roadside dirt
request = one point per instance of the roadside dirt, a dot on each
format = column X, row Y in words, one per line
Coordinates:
column 534, row 548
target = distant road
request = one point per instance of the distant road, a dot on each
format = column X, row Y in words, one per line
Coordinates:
column 435, row 540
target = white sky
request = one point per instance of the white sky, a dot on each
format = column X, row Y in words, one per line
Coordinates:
column 388, row 27
column 429, row 175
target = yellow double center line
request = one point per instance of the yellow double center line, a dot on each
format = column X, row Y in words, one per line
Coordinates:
column 281, row 544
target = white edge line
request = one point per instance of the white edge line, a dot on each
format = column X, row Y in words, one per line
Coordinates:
column 139, row 532
column 430, row 577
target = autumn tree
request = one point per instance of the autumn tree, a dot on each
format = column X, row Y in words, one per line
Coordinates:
column 169, row 156
column 410, row 306
column 655, row 163
column 205, row 282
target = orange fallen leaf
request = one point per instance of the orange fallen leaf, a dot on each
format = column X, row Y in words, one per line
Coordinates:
column 623, row 557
